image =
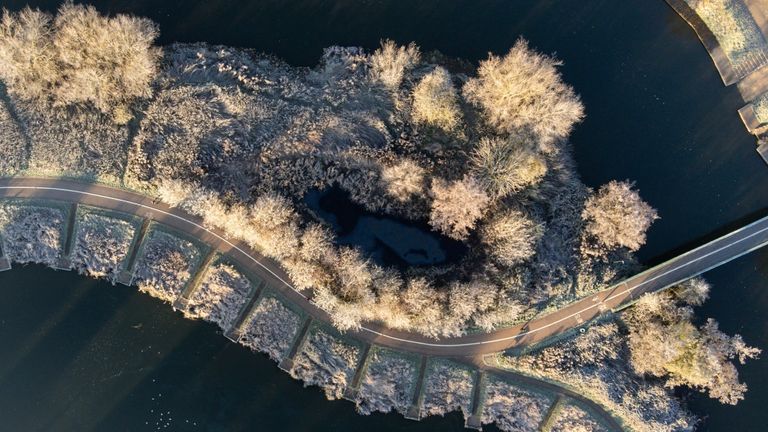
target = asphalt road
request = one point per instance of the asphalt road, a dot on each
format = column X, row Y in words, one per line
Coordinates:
column 680, row 268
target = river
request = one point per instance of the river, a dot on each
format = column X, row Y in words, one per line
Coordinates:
column 79, row 353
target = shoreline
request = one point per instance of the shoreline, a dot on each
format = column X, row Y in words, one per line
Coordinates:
column 417, row 382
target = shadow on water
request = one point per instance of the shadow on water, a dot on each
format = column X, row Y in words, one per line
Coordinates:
column 387, row 240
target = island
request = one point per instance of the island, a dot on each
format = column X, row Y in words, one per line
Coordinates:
column 220, row 180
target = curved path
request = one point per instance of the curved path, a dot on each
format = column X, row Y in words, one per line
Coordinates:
column 664, row 275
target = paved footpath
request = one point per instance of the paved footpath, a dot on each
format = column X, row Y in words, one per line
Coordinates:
column 664, row 275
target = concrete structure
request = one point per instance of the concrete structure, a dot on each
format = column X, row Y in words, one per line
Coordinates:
column 751, row 73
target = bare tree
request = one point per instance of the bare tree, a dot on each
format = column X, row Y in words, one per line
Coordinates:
column 403, row 180
column 80, row 57
column 522, row 90
column 505, row 166
column 390, row 63
column 435, row 100
column 27, row 57
column 616, row 217
column 664, row 342
column 511, row 237
column 456, row 206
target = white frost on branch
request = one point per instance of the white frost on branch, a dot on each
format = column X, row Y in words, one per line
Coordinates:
column 326, row 361
column 220, row 296
column 447, row 387
column 388, row 384
column 31, row 234
column 166, row 265
column 101, row 245
column 271, row 328
column 512, row 408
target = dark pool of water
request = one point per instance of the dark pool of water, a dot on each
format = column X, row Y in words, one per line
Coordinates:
column 386, row 240
column 657, row 113
column 82, row 355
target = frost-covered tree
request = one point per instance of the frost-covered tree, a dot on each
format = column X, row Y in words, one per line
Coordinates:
column 423, row 305
column 403, row 180
column 79, row 57
column 27, row 57
column 664, row 342
column 511, row 237
column 505, row 166
column 616, row 217
column 524, row 90
column 390, row 63
column 456, row 206
column 435, row 100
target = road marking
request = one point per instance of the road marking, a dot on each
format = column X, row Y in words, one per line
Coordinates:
column 384, row 335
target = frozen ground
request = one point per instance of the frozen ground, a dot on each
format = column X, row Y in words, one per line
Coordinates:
column 32, row 234
column 271, row 328
column 326, row 361
column 166, row 265
column 101, row 245
column 388, row 383
column 220, row 296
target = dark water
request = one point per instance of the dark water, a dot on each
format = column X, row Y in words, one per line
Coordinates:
column 657, row 113
column 386, row 240
column 82, row 355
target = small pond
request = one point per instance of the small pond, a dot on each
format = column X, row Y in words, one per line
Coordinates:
column 387, row 240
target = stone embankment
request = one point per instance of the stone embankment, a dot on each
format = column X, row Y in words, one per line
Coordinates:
column 735, row 33
column 203, row 284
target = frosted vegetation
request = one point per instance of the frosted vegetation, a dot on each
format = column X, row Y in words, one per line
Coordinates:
column 388, row 384
column 166, row 264
column 14, row 144
column 513, row 408
column 657, row 340
column 326, row 361
column 31, row 233
column 222, row 293
column 481, row 154
column 733, row 27
column 101, row 244
column 238, row 138
column 78, row 57
column 665, row 342
column 571, row 418
column 447, row 387
column 270, row 328
column 761, row 108
column 596, row 365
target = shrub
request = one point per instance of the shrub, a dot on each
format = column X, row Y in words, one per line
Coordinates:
column 403, row 180
column 83, row 57
column 435, row 100
column 616, row 216
column 388, row 384
column 511, row 237
column 504, row 166
column 220, row 296
column 101, row 245
column 390, row 62
column 664, row 342
column 166, row 265
column 27, row 57
column 31, row 234
column 328, row 362
column 271, row 328
column 456, row 206
column 524, row 90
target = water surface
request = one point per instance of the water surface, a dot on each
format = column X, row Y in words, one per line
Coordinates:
column 657, row 113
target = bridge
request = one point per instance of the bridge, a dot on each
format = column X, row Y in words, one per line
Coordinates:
column 659, row 277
